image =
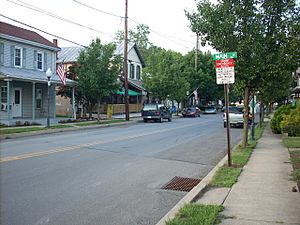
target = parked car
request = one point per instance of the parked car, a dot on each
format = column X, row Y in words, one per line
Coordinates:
column 156, row 112
column 210, row 110
column 236, row 116
column 191, row 112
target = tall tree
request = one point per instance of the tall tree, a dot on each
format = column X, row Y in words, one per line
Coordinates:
column 243, row 26
column 97, row 72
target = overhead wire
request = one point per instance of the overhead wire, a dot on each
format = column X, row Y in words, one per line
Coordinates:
column 34, row 8
column 45, row 32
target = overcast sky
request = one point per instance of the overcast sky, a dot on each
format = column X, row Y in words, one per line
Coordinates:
column 166, row 19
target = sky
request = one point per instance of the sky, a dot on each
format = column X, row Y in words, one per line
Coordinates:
column 169, row 27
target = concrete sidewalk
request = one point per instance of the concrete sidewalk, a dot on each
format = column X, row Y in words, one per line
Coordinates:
column 263, row 194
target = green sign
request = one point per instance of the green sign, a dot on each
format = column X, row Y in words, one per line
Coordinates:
column 227, row 55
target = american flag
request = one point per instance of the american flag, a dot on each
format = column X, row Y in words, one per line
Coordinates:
column 60, row 71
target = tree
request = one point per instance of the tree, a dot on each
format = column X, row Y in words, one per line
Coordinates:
column 261, row 31
column 139, row 36
column 97, row 70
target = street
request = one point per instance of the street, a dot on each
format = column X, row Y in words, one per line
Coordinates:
column 107, row 176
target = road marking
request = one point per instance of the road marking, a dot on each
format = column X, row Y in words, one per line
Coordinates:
column 75, row 147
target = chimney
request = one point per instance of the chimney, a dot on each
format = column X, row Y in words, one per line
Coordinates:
column 55, row 42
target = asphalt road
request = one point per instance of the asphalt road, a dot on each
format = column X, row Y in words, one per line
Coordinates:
column 106, row 176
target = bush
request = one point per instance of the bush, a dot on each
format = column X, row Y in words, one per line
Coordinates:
column 26, row 123
column 19, row 123
column 279, row 116
column 291, row 123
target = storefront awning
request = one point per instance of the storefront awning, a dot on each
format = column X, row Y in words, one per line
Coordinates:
column 130, row 93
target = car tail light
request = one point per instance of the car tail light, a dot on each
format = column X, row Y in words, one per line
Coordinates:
column 157, row 113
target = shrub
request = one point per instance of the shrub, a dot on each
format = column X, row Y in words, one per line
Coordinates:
column 26, row 123
column 19, row 123
column 291, row 123
column 278, row 117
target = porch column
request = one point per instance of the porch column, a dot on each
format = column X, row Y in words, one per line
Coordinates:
column 73, row 103
column 8, row 99
column 33, row 100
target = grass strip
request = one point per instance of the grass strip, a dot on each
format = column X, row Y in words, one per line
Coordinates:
column 226, row 176
column 20, row 130
column 241, row 156
column 83, row 124
column 196, row 214
column 60, row 126
column 291, row 142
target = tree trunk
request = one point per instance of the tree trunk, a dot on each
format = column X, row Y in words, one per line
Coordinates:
column 98, row 110
column 246, row 113
column 90, row 110
column 261, row 114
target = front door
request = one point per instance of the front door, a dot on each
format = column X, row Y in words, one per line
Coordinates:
column 17, row 102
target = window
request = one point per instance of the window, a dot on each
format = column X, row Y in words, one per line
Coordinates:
column 18, row 57
column 38, row 98
column 3, row 98
column 131, row 71
column 138, row 72
column 1, row 54
column 40, row 60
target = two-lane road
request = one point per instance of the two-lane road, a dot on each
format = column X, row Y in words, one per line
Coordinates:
column 106, row 176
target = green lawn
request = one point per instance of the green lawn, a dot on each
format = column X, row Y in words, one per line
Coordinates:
column 226, row 176
column 83, row 124
column 196, row 214
column 20, row 130
column 291, row 142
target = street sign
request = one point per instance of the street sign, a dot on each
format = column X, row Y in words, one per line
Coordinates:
column 224, row 63
column 227, row 55
column 225, row 71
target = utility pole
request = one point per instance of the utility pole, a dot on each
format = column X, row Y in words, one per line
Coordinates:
column 196, row 52
column 125, row 67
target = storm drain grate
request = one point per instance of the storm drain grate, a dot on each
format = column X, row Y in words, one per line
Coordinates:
column 181, row 184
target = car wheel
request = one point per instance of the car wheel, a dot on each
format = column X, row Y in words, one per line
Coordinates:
column 145, row 120
column 169, row 119
column 160, row 120
column 225, row 124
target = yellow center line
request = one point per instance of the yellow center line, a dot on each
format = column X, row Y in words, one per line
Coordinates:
column 75, row 147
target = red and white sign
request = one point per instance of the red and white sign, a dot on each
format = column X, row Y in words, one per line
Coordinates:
column 225, row 71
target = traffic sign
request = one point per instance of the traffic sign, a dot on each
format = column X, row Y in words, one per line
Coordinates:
column 227, row 55
column 224, row 63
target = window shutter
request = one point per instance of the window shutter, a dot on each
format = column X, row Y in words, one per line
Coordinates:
column 34, row 59
column 12, row 56
column 24, row 58
column 45, row 61
column 1, row 54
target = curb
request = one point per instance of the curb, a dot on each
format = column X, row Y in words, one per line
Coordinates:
column 195, row 192
column 42, row 132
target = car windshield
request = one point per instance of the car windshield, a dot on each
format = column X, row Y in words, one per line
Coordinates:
column 191, row 109
column 210, row 108
column 150, row 107
column 236, row 110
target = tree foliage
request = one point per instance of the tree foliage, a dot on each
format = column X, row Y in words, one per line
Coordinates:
column 97, row 70
column 265, row 33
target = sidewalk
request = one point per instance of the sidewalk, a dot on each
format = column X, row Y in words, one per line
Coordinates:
column 263, row 194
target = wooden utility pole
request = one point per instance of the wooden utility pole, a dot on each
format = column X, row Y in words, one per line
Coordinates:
column 196, row 52
column 125, row 68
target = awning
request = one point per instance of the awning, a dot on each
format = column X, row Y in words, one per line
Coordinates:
column 130, row 93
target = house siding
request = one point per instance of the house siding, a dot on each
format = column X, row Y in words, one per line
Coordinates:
column 29, row 55
column 135, row 60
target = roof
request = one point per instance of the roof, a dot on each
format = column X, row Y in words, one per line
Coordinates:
column 22, row 33
column 30, row 75
column 120, row 51
column 69, row 54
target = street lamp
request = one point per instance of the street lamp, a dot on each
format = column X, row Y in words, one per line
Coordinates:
column 48, row 74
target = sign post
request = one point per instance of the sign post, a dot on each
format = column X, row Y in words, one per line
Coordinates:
column 225, row 75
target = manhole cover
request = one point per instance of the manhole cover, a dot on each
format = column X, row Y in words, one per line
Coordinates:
column 181, row 184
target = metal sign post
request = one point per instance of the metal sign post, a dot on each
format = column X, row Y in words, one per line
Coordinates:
column 225, row 75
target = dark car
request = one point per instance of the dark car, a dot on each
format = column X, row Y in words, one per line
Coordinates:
column 191, row 112
column 156, row 112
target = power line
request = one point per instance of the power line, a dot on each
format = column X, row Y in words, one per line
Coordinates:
column 53, row 35
column 166, row 36
column 34, row 8
column 98, row 10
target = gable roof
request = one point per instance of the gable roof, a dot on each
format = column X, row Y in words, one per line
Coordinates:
column 120, row 51
column 22, row 33
column 69, row 54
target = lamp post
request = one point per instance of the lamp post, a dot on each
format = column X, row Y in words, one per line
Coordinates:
column 48, row 74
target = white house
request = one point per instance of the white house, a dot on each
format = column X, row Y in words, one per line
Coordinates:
column 25, row 56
